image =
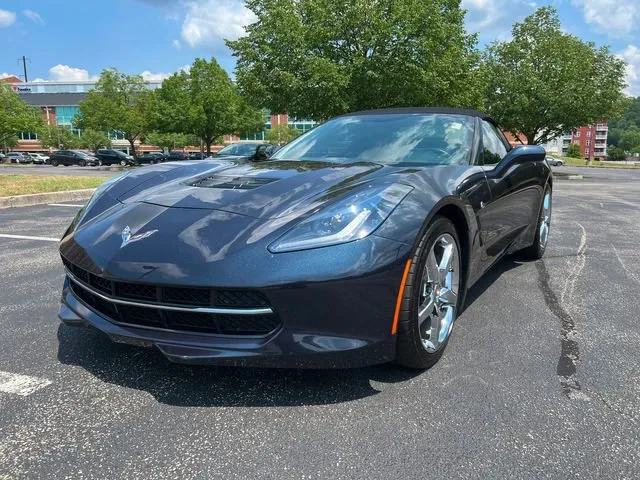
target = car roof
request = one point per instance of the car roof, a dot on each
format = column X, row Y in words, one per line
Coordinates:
column 415, row 110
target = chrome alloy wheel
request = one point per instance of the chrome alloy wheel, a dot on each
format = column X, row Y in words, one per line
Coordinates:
column 439, row 288
column 545, row 219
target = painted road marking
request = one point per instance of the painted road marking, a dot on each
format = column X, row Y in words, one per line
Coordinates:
column 27, row 237
column 22, row 385
column 64, row 205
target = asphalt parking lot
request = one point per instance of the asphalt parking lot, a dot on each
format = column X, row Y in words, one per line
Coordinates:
column 541, row 378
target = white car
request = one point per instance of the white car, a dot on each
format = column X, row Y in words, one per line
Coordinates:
column 39, row 158
column 555, row 162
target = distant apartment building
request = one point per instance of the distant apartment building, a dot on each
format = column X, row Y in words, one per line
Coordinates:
column 592, row 140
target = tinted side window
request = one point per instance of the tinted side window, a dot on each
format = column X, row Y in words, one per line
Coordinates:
column 493, row 150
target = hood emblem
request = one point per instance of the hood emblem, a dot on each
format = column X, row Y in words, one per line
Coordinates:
column 127, row 238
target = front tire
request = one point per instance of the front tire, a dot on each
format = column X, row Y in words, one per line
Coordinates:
column 536, row 251
column 82, row 163
column 432, row 297
column 54, row 163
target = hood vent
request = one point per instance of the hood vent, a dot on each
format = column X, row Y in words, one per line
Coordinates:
column 231, row 183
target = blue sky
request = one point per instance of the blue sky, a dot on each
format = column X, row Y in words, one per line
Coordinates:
column 76, row 39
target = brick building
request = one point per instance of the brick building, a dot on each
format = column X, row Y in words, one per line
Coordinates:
column 592, row 140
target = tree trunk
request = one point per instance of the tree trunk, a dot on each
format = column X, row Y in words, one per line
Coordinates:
column 133, row 147
column 531, row 139
column 208, row 143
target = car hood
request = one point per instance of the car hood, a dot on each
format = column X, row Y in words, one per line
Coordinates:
column 268, row 189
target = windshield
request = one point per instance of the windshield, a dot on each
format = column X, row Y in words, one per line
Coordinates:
column 414, row 139
column 238, row 149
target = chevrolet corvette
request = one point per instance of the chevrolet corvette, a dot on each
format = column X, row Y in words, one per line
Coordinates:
column 353, row 245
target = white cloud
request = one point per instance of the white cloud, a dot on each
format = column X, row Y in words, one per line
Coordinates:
column 154, row 77
column 208, row 22
column 65, row 73
column 494, row 18
column 614, row 17
column 631, row 55
column 6, row 18
column 176, row 44
column 33, row 16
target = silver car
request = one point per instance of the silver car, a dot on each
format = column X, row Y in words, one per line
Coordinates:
column 555, row 162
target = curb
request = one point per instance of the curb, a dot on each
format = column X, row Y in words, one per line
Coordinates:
column 575, row 177
column 50, row 197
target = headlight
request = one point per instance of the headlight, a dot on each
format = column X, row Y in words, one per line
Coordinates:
column 346, row 220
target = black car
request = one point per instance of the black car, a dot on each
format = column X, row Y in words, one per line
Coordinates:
column 114, row 157
column 197, row 156
column 247, row 151
column 177, row 155
column 73, row 157
column 151, row 158
column 354, row 244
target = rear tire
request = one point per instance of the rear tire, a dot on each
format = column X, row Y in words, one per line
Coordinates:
column 82, row 163
column 123, row 163
column 543, row 228
column 432, row 297
column 55, row 163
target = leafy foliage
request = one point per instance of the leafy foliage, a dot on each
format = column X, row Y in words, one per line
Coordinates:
column 544, row 82
column 16, row 116
column 281, row 134
column 616, row 154
column 171, row 141
column 118, row 102
column 317, row 59
column 574, row 151
column 629, row 120
column 204, row 102
column 630, row 140
column 58, row 136
column 93, row 140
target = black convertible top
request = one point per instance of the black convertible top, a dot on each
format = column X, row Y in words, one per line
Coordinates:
column 409, row 110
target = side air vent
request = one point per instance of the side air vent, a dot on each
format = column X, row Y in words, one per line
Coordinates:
column 232, row 183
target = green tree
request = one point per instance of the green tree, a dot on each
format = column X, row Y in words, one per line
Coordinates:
column 281, row 134
column 93, row 140
column 616, row 154
column 544, row 82
column 318, row 59
column 118, row 102
column 58, row 136
column 16, row 116
column 574, row 151
column 171, row 141
column 630, row 140
column 204, row 102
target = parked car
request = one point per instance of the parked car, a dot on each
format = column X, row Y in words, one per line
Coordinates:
column 150, row 158
column 19, row 157
column 247, row 151
column 354, row 246
column 73, row 157
column 3, row 157
column 555, row 162
column 114, row 157
column 39, row 158
column 177, row 155
column 197, row 156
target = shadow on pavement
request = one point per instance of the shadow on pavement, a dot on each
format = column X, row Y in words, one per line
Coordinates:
column 494, row 273
column 207, row 386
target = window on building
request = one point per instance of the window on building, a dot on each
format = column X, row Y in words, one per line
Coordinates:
column 586, row 152
column 116, row 135
column 28, row 136
column 588, row 133
column 64, row 115
column 577, row 134
column 588, row 144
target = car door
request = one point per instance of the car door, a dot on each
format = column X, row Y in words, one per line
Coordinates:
column 515, row 195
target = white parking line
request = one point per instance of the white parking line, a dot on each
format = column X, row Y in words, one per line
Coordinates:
column 27, row 237
column 64, row 205
column 22, row 385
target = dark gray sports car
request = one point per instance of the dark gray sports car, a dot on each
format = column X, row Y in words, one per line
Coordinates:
column 353, row 245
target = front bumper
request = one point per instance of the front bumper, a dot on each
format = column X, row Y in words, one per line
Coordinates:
column 298, row 343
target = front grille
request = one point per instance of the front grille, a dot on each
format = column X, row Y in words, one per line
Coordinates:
column 159, row 316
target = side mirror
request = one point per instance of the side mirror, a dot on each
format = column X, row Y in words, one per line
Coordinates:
column 261, row 154
column 526, row 153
